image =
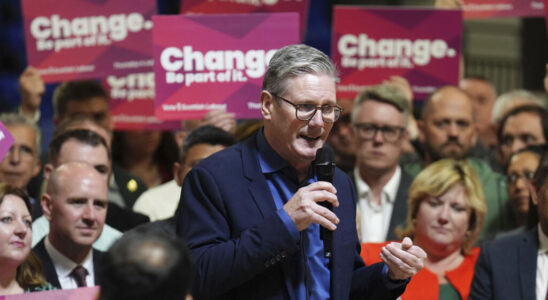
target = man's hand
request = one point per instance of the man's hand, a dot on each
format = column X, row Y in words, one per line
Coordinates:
column 32, row 87
column 403, row 259
column 221, row 119
column 303, row 207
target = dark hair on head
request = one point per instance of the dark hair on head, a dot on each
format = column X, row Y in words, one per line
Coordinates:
column 29, row 273
column 83, row 136
column 77, row 91
column 146, row 263
column 207, row 134
column 541, row 112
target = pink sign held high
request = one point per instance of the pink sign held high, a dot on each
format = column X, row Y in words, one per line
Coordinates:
column 216, row 62
column 6, row 140
column 246, row 6
column 77, row 39
column 132, row 102
column 371, row 44
column 486, row 9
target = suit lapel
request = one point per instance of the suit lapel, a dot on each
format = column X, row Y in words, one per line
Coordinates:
column 97, row 257
column 258, row 187
column 527, row 258
column 47, row 264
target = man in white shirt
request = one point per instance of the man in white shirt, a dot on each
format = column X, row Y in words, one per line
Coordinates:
column 516, row 266
column 161, row 202
column 380, row 117
column 75, row 206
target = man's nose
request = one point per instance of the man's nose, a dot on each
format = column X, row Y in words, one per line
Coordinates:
column 317, row 119
column 89, row 213
column 453, row 130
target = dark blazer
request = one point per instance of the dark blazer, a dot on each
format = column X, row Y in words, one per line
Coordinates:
column 49, row 269
column 399, row 211
column 241, row 246
column 506, row 268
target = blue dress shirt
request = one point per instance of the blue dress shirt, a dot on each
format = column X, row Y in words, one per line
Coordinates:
column 310, row 272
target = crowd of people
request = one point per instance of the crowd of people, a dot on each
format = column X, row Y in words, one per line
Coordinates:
column 451, row 205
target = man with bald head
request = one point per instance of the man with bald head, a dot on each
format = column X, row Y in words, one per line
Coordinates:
column 76, row 207
column 448, row 130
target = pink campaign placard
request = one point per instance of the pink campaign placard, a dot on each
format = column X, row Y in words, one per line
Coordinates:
column 370, row 44
column 6, row 140
column 246, row 6
column 486, row 9
column 132, row 102
column 85, row 293
column 212, row 62
column 77, row 39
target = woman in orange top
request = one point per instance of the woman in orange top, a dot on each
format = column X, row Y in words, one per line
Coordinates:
column 445, row 217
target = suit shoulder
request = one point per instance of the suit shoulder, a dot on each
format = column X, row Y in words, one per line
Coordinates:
column 226, row 158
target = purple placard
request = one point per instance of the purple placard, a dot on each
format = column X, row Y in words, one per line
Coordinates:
column 370, row 44
column 85, row 293
column 132, row 102
column 6, row 140
column 76, row 39
column 212, row 62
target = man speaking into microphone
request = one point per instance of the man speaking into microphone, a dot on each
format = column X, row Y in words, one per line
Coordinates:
column 252, row 214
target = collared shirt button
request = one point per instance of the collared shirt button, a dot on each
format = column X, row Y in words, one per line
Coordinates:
column 278, row 257
column 283, row 254
column 272, row 261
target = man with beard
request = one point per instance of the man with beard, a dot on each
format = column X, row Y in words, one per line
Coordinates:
column 447, row 130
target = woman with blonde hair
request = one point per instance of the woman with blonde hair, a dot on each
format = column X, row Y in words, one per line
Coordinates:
column 445, row 217
column 20, row 270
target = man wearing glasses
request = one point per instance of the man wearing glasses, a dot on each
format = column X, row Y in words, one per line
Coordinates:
column 448, row 130
column 380, row 117
column 250, row 213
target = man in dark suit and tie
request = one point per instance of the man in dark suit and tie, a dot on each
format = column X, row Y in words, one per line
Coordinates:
column 75, row 206
column 250, row 213
column 516, row 267
column 379, row 118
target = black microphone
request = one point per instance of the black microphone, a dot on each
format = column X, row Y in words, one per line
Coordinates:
column 324, row 166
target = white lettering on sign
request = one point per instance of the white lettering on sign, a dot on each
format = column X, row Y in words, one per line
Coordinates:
column 2, row 136
column 360, row 51
column 57, row 33
column 137, row 86
column 213, row 65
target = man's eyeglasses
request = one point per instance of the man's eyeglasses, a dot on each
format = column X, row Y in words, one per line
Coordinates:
column 527, row 176
column 368, row 131
column 306, row 111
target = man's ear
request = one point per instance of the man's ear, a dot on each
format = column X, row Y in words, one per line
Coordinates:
column 48, row 168
column 46, row 203
column 267, row 104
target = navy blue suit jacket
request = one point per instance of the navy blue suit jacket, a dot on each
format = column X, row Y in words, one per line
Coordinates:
column 240, row 245
column 506, row 268
column 49, row 269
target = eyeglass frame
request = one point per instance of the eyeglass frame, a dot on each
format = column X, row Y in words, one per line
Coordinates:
column 398, row 129
column 317, row 107
column 527, row 176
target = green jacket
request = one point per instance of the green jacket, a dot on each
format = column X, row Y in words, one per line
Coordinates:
column 499, row 215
